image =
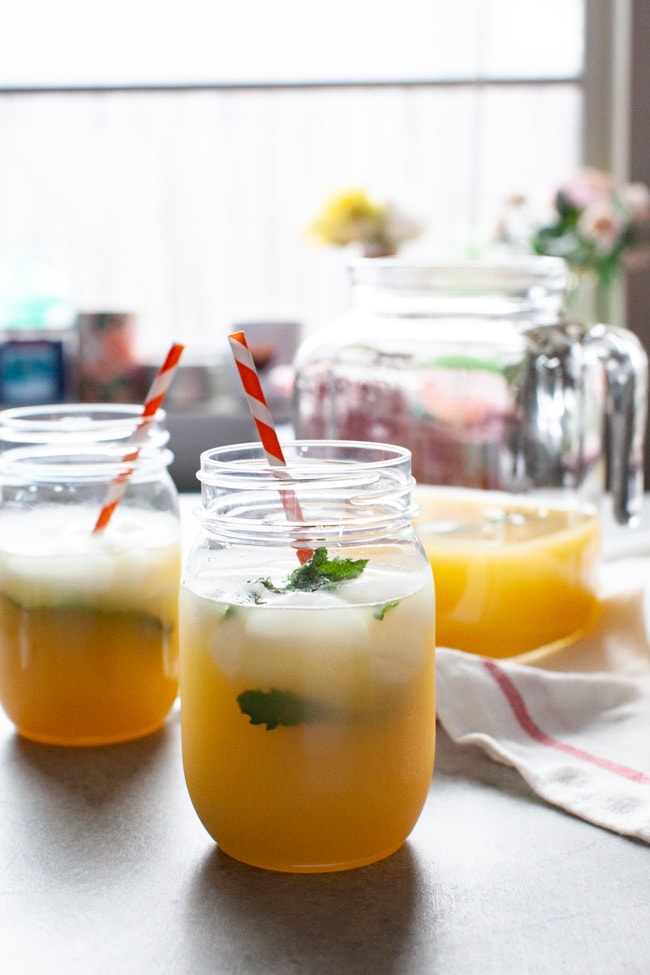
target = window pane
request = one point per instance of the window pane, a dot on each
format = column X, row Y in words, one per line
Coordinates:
column 530, row 144
column 144, row 42
column 529, row 39
column 190, row 208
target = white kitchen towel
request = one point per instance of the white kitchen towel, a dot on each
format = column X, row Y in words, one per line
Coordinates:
column 576, row 725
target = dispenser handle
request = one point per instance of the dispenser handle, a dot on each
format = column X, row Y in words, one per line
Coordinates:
column 626, row 370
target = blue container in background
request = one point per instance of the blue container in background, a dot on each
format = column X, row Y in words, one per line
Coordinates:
column 38, row 335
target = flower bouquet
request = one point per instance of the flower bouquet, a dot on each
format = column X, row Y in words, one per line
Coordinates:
column 594, row 224
column 598, row 226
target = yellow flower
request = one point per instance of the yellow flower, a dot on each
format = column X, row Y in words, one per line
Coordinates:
column 347, row 217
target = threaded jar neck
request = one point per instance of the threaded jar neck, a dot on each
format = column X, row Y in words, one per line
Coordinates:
column 50, row 443
column 327, row 490
column 530, row 286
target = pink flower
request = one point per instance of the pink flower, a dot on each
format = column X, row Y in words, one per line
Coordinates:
column 635, row 197
column 602, row 224
column 588, row 186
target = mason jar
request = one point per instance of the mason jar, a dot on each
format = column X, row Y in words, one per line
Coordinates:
column 307, row 656
column 88, row 612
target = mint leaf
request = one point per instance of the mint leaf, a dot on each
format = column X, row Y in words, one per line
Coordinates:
column 320, row 572
column 380, row 611
column 276, row 707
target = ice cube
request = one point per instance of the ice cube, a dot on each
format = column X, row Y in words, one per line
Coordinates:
column 49, row 580
column 377, row 588
column 322, row 654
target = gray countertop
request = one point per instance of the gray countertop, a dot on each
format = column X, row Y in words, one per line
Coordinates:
column 105, row 868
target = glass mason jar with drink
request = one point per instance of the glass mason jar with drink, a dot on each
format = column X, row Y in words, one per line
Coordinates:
column 88, row 618
column 307, row 656
column 517, row 419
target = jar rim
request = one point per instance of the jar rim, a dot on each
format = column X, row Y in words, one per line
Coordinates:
column 516, row 277
column 43, row 464
column 50, row 443
column 306, row 460
column 507, row 289
column 72, row 422
column 540, row 264
column 341, row 487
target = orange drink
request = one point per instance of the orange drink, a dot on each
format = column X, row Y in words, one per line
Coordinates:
column 511, row 575
column 88, row 623
column 341, row 778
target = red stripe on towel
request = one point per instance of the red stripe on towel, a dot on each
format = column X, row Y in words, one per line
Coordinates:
column 522, row 714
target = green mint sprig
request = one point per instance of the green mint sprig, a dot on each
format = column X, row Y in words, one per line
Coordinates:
column 277, row 708
column 319, row 572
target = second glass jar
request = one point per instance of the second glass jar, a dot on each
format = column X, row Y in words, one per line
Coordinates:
column 88, row 618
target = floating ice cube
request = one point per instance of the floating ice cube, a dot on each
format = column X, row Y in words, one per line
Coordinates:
column 227, row 639
column 404, row 637
column 37, row 581
column 377, row 588
column 320, row 599
column 54, row 557
column 322, row 654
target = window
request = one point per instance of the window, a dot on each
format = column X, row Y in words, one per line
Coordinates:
column 166, row 158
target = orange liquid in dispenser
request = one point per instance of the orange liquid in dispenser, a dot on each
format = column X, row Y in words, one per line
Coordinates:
column 88, row 626
column 344, row 784
column 511, row 576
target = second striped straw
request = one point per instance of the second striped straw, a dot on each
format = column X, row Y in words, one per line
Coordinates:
column 153, row 401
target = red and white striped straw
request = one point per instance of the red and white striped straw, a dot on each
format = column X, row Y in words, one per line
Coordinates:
column 265, row 427
column 157, row 392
